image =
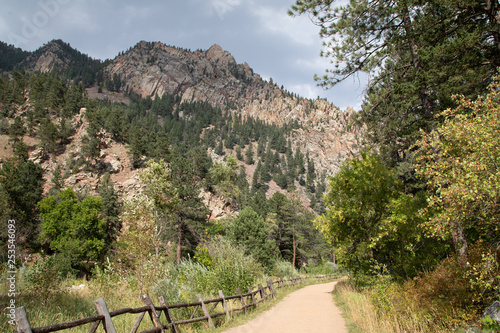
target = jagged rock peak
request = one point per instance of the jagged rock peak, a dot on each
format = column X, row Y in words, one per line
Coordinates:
column 215, row 53
column 48, row 57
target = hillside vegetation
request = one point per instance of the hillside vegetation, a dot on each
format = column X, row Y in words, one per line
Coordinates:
column 415, row 216
column 65, row 166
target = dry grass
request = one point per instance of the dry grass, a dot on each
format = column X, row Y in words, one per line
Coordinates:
column 362, row 315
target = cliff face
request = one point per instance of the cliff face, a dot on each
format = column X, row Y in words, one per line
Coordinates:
column 50, row 56
column 213, row 76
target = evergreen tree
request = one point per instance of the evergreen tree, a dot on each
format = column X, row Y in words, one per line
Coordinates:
column 418, row 55
column 249, row 229
column 48, row 135
column 21, row 187
column 249, row 155
column 256, row 178
column 239, row 155
column 91, row 144
column 57, row 180
column 16, row 130
column 110, row 209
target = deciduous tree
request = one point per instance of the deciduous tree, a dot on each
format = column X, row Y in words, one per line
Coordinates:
column 460, row 162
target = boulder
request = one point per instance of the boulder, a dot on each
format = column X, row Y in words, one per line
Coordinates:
column 493, row 311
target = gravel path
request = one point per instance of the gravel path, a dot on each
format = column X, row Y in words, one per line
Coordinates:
column 310, row 309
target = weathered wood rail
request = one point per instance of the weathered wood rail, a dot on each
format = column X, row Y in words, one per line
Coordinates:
column 246, row 300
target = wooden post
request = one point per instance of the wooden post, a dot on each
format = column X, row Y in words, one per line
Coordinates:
column 155, row 318
column 242, row 300
column 137, row 322
column 253, row 298
column 271, row 288
column 224, row 305
column 22, row 322
column 262, row 292
column 102, row 309
column 205, row 311
column 167, row 314
column 94, row 326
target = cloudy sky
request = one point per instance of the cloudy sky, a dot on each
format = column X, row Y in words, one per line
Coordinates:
column 258, row 32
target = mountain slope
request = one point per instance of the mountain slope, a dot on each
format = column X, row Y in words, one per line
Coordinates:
column 316, row 128
column 213, row 76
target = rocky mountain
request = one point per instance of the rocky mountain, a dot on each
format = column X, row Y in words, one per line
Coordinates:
column 213, row 76
column 322, row 131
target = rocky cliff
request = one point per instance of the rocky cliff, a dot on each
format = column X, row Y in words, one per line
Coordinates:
column 213, row 76
column 326, row 133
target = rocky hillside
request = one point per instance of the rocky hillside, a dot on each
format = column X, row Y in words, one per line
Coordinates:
column 153, row 68
column 214, row 76
column 320, row 130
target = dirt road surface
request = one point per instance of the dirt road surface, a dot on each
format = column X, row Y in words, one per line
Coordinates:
column 310, row 309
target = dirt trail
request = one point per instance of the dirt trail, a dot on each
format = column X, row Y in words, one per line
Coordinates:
column 310, row 309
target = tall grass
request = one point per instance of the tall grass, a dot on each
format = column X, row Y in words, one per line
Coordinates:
column 44, row 288
column 395, row 312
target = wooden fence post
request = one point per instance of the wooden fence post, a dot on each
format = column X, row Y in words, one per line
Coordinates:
column 22, row 322
column 263, row 294
column 242, row 300
column 224, row 305
column 271, row 288
column 253, row 297
column 205, row 311
column 167, row 314
column 102, row 309
column 155, row 318
column 137, row 322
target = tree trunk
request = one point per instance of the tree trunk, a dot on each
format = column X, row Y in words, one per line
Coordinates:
column 423, row 91
column 460, row 242
column 179, row 241
column 294, row 251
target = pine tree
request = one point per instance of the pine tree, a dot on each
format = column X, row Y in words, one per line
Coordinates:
column 16, row 130
column 239, row 155
column 110, row 210
column 249, row 155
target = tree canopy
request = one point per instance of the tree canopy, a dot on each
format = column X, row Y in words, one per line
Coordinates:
column 417, row 54
column 460, row 163
column 71, row 227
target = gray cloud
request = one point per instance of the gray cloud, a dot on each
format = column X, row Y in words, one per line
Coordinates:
column 258, row 32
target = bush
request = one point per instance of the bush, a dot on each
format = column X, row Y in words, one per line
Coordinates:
column 231, row 267
column 327, row 268
column 46, row 273
column 284, row 269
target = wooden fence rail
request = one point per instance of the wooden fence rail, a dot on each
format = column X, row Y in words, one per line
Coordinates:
column 250, row 299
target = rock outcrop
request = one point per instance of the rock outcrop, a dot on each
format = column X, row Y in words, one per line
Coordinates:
column 213, row 76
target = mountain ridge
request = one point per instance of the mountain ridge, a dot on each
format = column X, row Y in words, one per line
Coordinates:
column 152, row 69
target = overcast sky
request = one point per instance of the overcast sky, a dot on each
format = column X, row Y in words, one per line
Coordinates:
column 258, row 32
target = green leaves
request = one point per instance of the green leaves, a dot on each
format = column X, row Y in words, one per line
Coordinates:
column 71, row 227
column 372, row 223
column 460, row 163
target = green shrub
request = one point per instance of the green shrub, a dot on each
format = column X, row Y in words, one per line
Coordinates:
column 232, row 268
column 46, row 273
column 326, row 268
column 284, row 269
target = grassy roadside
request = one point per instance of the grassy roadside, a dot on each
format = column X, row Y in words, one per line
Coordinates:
column 60, row 306
column 362, row 315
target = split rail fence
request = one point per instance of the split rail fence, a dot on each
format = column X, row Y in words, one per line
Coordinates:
column 247, row 300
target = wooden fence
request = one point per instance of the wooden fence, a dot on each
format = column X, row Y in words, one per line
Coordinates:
column 247, row 300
